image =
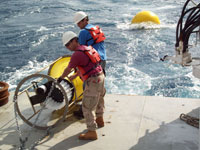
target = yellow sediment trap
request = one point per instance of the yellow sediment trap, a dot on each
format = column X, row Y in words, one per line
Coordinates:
column 56, row 70
column 41, row 101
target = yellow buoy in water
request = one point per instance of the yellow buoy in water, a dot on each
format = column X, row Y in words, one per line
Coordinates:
column 145, row 16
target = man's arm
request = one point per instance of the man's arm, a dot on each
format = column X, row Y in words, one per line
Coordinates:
column 66, row 72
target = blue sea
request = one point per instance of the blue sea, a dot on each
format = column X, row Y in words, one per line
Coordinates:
column 31, row 31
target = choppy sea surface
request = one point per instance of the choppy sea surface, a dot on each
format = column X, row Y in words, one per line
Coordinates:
column 31, row 31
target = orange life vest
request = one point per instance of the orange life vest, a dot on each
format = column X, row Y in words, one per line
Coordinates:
column 94, row 58
column 97, row 34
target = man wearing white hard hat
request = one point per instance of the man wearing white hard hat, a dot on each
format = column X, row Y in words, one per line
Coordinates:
column 90, row 35
column 85, row 59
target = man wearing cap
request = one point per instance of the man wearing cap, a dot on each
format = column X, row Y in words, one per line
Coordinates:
column 90, row 35
column 92, row 74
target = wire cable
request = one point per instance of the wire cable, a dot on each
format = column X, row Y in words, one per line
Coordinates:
column 185, row 29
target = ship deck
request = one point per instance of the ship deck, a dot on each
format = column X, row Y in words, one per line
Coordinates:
column 132, row 122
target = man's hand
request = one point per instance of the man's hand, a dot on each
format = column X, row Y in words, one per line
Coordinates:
column 73, row 77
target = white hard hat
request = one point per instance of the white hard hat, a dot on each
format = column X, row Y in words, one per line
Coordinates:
column 79, row 16
column 67, row 36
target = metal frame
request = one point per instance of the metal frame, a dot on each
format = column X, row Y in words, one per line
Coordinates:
column 17, row 93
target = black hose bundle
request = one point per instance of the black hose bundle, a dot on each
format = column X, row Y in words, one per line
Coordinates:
column 183, row 31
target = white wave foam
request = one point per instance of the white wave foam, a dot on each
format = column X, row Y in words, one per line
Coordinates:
column 37, row 10
column 125, row 82
column 30, row 68
column 42, row 28
column 41, row 39
column 195, row 81
column 167, row 7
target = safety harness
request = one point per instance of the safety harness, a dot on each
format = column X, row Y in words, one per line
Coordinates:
column 94, row 58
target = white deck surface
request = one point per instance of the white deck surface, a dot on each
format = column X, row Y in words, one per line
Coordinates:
column 131, row 123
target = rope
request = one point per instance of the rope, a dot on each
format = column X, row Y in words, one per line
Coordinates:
column 193, row 2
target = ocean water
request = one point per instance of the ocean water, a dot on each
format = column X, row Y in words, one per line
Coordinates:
column 31, row 31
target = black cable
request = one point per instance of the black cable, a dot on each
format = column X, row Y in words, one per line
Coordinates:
column 193, row 21
column 179, row 25
column 189, row 32
column 186, row 24
column 188, row 29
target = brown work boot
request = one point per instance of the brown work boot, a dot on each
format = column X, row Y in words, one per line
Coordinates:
column 100, row 122
column 90, row 135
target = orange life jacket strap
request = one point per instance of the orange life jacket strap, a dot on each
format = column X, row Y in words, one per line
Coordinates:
column 97, row 34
